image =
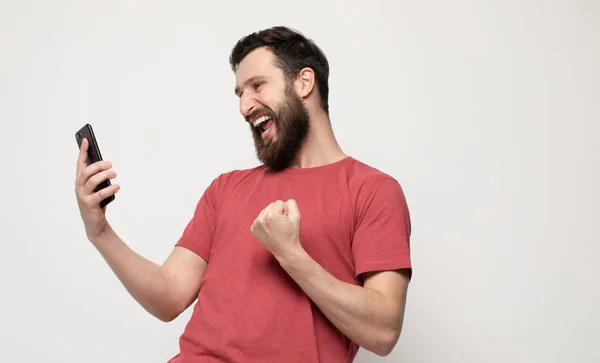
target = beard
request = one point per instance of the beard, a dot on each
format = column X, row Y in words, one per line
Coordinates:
column 291, row 122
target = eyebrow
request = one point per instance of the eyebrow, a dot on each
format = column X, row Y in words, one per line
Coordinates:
column 248, row 81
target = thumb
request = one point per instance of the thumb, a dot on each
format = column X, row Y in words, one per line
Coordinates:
column 292, row 209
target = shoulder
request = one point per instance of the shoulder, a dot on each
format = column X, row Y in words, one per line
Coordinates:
column 230, row 179
column 364, row 178
column 373, row 190
column 379, row 199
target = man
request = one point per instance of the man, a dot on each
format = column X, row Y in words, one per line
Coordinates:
column 304, row 258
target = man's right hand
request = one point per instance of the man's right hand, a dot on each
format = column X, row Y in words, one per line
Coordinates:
column 88, row 178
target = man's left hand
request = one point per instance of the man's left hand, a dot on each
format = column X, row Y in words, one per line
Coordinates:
column 277, row 227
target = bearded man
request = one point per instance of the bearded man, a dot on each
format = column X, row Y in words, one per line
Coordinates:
column 303, row 258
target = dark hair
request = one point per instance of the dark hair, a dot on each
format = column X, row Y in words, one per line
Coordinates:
column 293, row 52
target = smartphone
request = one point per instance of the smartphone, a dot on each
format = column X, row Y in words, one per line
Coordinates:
column 86, row 132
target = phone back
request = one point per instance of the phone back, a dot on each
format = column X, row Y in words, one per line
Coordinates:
column 94, row 155
column 86, row 132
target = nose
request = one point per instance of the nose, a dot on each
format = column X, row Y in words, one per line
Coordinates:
column 247, row 105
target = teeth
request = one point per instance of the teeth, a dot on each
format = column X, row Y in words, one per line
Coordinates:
column 260, row 120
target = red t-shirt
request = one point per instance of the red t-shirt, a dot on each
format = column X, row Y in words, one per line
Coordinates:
column 354, row 219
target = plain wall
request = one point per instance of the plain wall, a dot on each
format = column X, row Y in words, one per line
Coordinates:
column 487, row 112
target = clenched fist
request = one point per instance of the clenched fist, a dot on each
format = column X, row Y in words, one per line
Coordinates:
column 277, row 227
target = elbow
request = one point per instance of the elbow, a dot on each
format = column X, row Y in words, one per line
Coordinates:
column 384, row 350
column 386, row 342
column 168, row 313
column 166, row 317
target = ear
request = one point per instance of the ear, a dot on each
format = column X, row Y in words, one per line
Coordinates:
column 305, row 82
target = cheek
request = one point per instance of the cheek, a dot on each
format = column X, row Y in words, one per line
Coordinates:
column 262, row 102
column 270, row 98
column 266, row 101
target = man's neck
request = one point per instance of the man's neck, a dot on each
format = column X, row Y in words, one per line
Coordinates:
column 320, row 146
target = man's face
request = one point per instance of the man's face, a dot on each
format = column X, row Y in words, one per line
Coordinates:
column 268, row 102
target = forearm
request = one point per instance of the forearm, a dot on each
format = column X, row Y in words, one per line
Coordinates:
column 143, row 279
column 364, row 315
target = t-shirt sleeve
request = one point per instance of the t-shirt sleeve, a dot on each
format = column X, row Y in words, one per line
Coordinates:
column 199, row 233
column 382, row 233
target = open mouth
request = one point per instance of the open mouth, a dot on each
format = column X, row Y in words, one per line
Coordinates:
column 263, row 123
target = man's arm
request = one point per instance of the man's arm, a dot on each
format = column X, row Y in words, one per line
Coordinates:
column 164, row 291
column 371, row 316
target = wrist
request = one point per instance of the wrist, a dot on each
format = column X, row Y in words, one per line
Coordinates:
column 292, row 257
column 101, row 238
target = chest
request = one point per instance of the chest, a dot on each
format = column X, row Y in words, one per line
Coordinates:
column 327, row 225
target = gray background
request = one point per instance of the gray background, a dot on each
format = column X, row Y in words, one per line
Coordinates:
column 487, row 112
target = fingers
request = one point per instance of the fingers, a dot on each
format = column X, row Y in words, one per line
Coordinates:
column 91, row 170
column 82, row 159
column 93, row 200
column 260, row 218
column 90, row 176
column 292, row 209
column 95, row 180
column 105, row 193
column 278, row 208
column 272, row 210
column 84, row 172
